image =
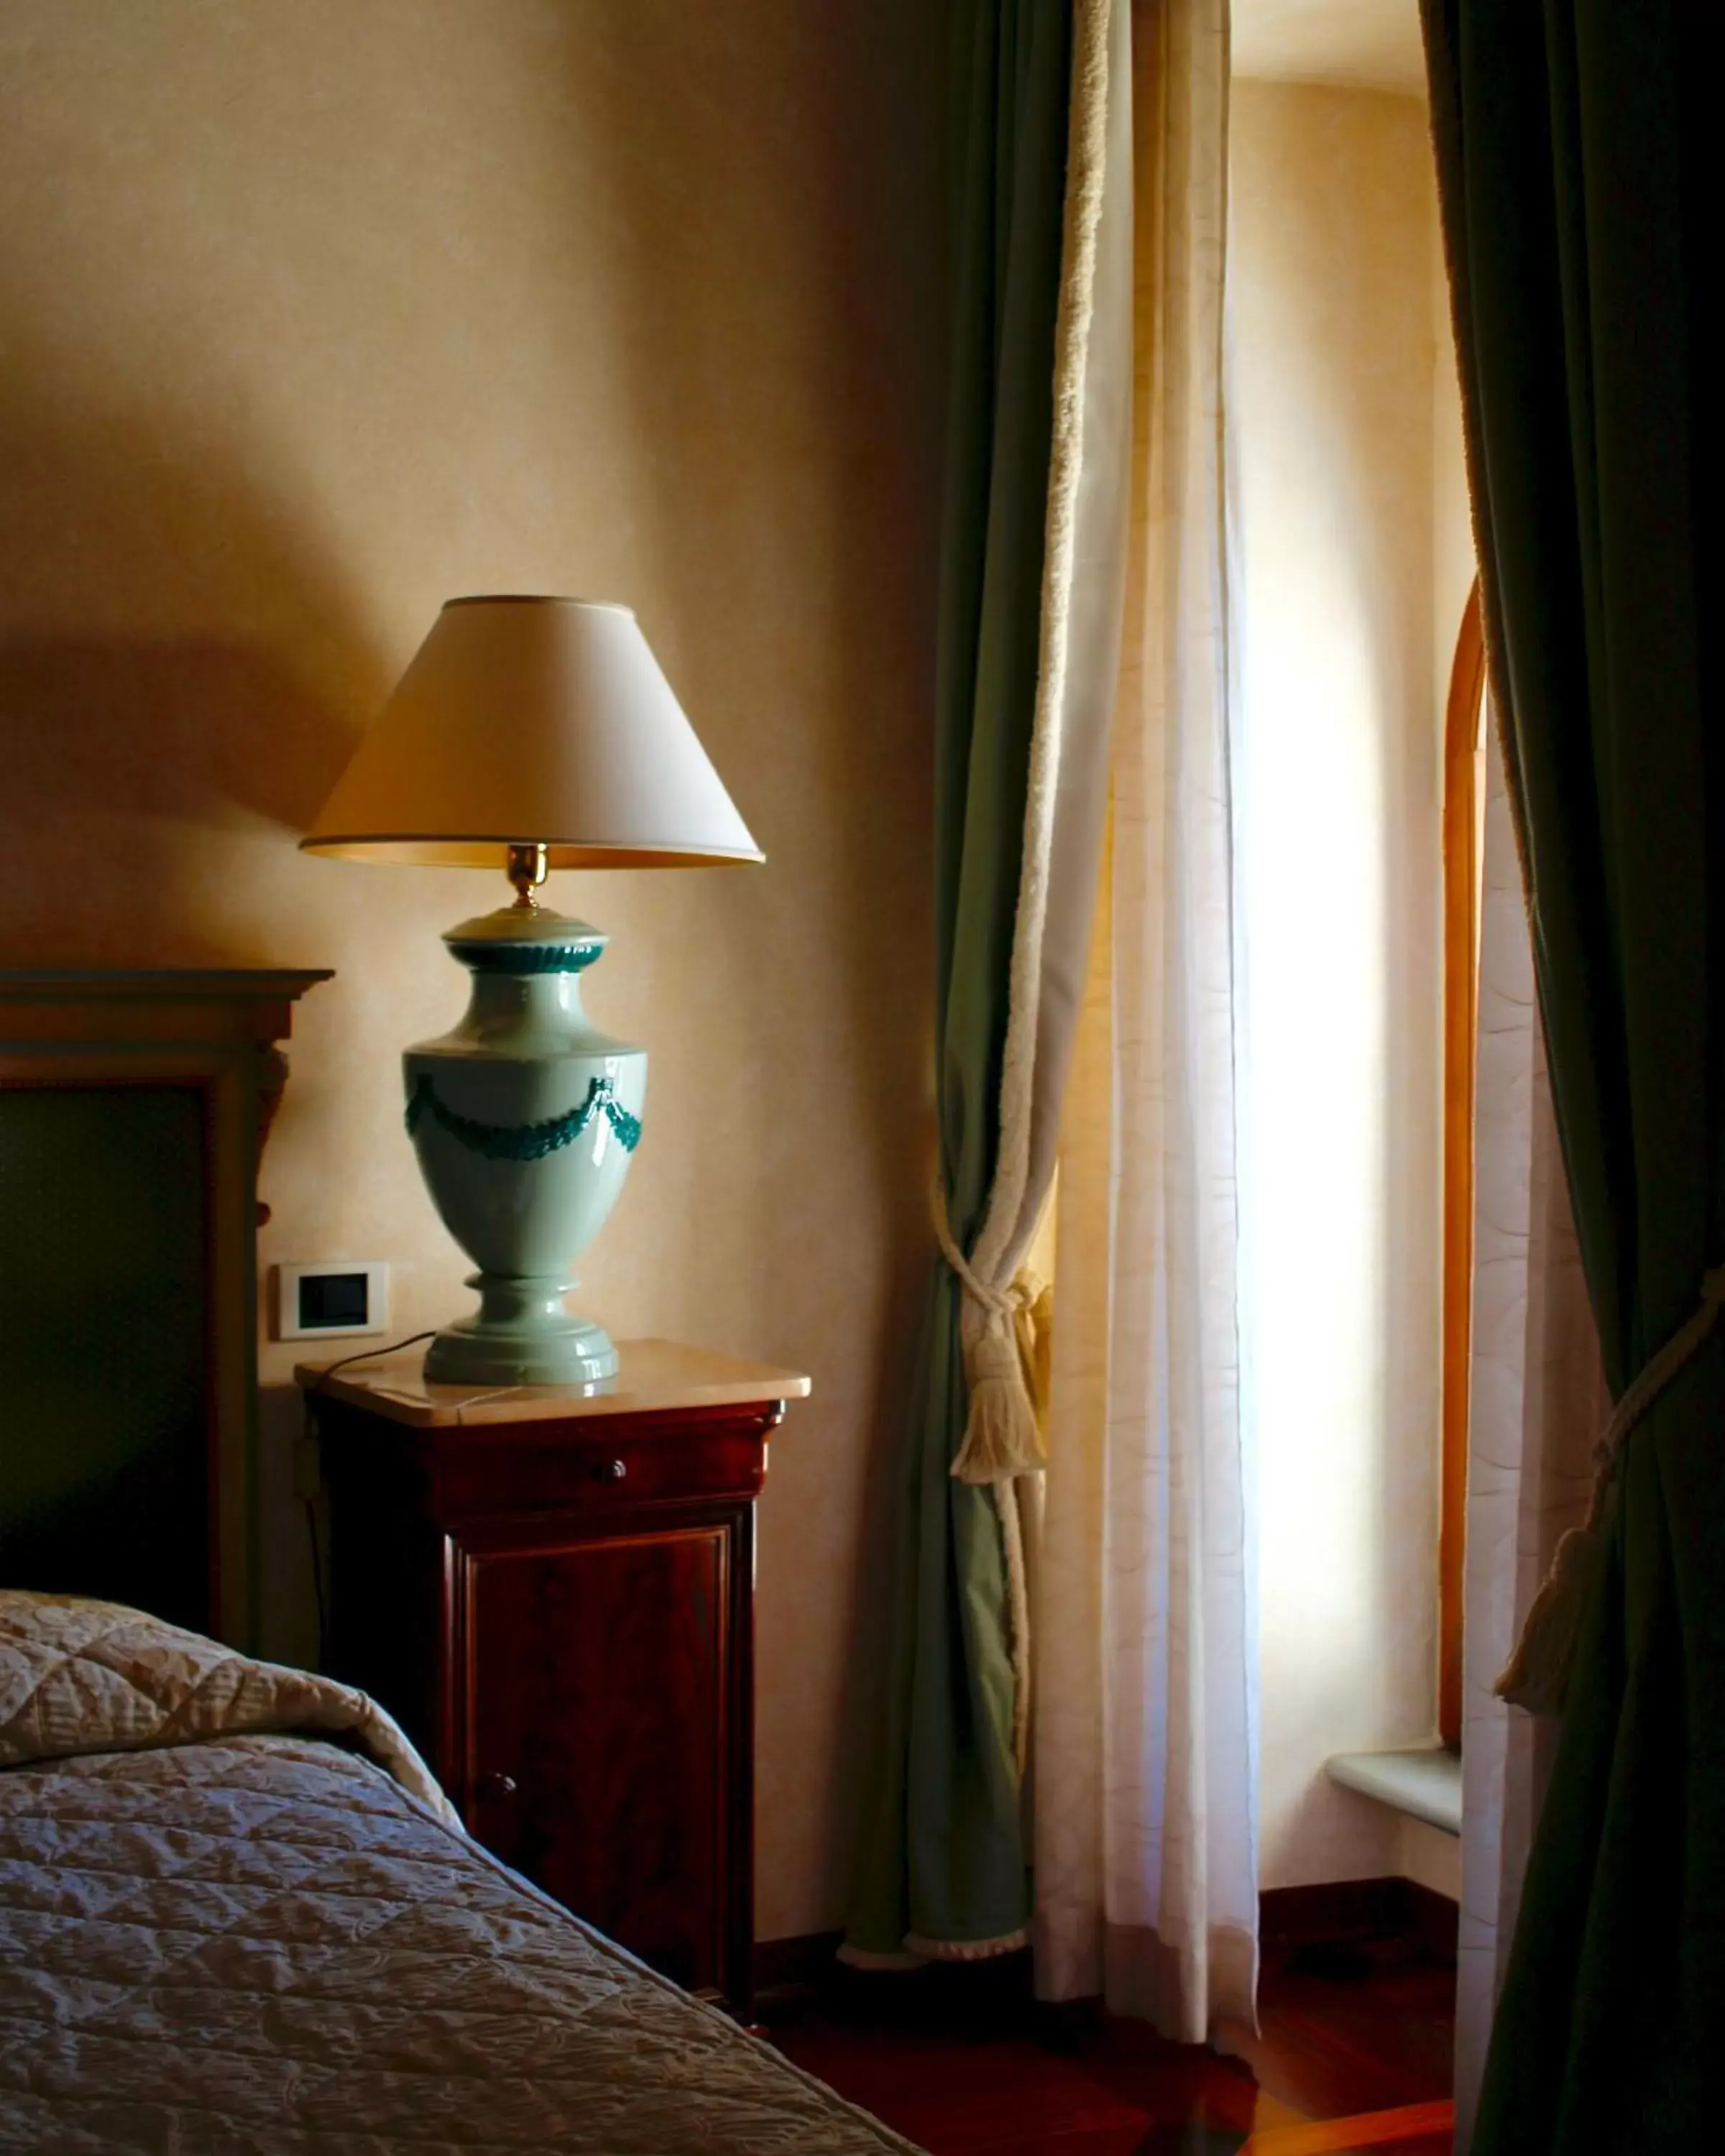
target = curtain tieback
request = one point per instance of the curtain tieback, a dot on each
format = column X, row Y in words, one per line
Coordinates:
column 1537, row 1676
column 1004, row 1335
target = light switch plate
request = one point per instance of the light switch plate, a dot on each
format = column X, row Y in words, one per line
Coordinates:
column 334, row 1298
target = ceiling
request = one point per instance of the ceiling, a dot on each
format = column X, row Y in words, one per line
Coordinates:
column 1368, row 44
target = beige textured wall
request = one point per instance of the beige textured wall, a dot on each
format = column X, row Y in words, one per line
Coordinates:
column 311, row 315
column 1333, row 352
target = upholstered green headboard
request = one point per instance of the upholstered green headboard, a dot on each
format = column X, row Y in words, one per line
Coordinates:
column 104, row 1341
column 132, row 1107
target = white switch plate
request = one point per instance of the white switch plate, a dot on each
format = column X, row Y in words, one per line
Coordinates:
column 353, row 1291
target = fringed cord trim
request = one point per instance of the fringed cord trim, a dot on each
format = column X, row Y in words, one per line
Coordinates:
column 1086, row 169
column 968, row 1949
column 1018, row 1605
column 919, row 1952
column 896, row 1965
column 1002, row 1440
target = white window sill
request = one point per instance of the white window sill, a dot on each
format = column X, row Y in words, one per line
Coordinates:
column 1424, row 1781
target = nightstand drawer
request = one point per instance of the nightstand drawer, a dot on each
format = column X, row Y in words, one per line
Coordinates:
column 558, row 1467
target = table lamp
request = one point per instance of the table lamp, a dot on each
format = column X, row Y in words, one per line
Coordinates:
column 528, row 734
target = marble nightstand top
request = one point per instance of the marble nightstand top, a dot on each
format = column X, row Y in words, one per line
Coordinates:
column 654, row 1376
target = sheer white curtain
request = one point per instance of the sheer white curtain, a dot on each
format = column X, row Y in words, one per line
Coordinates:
column 1146, row 1720
column 1538, row 1402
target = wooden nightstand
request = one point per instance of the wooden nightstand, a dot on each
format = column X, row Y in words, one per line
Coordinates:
column 553, row 1591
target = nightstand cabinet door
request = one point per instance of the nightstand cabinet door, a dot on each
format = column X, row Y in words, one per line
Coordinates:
column 604, row 1693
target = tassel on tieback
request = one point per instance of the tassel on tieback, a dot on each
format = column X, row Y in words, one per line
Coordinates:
column 1006, row 1365
column 1536, row 1677
column 1005, row 1335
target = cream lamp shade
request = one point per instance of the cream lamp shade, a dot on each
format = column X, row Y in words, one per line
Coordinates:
column 542, row 721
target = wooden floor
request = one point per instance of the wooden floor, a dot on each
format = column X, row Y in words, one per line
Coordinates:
column 1354, row 2053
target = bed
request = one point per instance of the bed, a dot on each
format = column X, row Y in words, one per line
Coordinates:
column 237, row 1913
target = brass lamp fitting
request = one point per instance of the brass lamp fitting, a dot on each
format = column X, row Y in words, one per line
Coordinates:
column 527, row 869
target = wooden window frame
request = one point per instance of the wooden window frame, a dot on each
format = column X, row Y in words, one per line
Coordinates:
column 1462, row 904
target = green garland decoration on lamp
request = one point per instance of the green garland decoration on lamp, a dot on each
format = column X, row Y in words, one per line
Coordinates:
column 526, row 1140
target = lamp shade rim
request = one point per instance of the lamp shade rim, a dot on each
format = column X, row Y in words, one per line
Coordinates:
column 538, row 598
column 485, row 849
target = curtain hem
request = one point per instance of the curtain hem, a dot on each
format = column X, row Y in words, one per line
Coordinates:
column 968, row 1949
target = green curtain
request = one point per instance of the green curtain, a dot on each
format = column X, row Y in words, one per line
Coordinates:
column 941, row 1856
column 1580, row 178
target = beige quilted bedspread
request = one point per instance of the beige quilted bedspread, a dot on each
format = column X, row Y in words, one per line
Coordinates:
column 216, row 1937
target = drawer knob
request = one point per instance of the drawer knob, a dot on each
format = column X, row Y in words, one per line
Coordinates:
column 497, row 1785
column 610, row 1471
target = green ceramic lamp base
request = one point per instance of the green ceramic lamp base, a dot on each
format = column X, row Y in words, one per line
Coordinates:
column 523, row 1335
column 524, row 1117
